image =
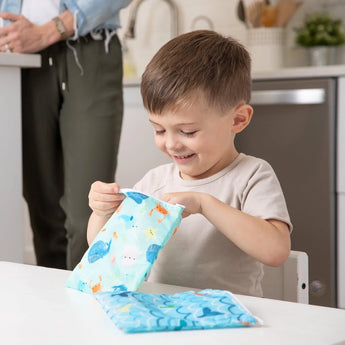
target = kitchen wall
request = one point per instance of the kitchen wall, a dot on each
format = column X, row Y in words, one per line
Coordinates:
column 153, row 26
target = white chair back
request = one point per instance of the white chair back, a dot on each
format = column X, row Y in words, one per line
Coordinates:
column 288, row 282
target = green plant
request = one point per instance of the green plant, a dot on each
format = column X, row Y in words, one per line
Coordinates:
column 320, row 29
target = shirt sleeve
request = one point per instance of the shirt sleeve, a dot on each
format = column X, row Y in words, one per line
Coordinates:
column 263, row 196
column 89, row 14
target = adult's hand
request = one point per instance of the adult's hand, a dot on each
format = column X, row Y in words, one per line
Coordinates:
column 22, row 36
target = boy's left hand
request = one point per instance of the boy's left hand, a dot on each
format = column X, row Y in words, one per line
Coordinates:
column 190, row 200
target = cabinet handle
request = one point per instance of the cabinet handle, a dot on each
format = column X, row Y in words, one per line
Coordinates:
column 298, row 96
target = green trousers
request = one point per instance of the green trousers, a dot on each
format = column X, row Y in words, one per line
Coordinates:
column 71, row 127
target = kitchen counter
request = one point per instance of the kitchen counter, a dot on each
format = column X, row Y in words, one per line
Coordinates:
column 22, row 60
column 284, row 73
column 301, row 72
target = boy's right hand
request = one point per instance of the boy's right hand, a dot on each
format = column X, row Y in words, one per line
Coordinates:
column 104, row 198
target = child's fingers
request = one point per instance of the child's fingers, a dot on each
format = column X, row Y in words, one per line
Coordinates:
column 114, row 197
column 108, row 188
column 105, row 200
column 104, row 208
column 168, row 197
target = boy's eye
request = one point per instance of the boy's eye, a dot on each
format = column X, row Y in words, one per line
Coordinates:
column 188, row 134
column 158, row 132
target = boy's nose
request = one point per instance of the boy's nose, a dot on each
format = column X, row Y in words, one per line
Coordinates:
column 172, row 143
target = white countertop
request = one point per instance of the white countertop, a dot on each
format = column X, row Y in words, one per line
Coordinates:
column 20, row 60
column 284, row 73
column 301, row 72
column 36, row 308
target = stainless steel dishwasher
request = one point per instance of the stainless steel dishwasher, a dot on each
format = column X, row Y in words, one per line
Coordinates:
column 293, row 128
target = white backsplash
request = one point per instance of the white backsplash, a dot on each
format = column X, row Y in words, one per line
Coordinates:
column 153, row 26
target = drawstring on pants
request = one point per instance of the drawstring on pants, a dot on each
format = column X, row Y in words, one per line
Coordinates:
column 109, row 33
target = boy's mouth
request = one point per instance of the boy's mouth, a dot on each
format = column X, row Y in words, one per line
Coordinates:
column 183, row 158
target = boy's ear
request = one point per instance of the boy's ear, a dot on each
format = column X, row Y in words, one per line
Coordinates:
column 241, row 118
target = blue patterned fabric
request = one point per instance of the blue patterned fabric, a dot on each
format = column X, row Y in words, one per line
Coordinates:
column 124, row 251
column 135, row 312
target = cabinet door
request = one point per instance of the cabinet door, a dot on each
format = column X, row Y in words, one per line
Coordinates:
column 11, row 201
column 295, row 132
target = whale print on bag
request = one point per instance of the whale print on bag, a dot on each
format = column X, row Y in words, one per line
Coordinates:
column 98, row 251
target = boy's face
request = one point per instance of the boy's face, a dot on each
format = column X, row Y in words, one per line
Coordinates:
column 197, row 138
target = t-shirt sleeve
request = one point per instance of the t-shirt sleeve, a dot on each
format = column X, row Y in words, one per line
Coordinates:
column 263, row 196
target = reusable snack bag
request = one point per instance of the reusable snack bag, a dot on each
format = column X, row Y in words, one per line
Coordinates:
column 123, row 252
column 134, row 312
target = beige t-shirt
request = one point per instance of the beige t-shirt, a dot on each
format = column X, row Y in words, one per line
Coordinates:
column 200, row 256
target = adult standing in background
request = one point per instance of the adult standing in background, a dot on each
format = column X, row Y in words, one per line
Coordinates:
column 71, row 116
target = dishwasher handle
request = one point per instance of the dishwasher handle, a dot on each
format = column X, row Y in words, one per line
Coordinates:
column 295, row 96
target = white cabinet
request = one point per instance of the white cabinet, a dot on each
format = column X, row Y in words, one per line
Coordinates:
column 11, row 204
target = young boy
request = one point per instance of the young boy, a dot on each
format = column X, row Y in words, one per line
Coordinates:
column 196, row 89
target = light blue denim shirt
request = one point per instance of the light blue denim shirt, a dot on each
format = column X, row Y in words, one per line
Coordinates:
column 90, row 15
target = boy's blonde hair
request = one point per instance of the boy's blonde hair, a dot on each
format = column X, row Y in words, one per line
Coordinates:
column 200, row 60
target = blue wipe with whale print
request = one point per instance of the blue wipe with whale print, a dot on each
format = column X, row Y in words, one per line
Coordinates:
column 134, row 312
column 123, row 252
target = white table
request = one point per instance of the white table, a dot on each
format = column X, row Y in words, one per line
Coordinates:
column 11, row 201
column 36, row 308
